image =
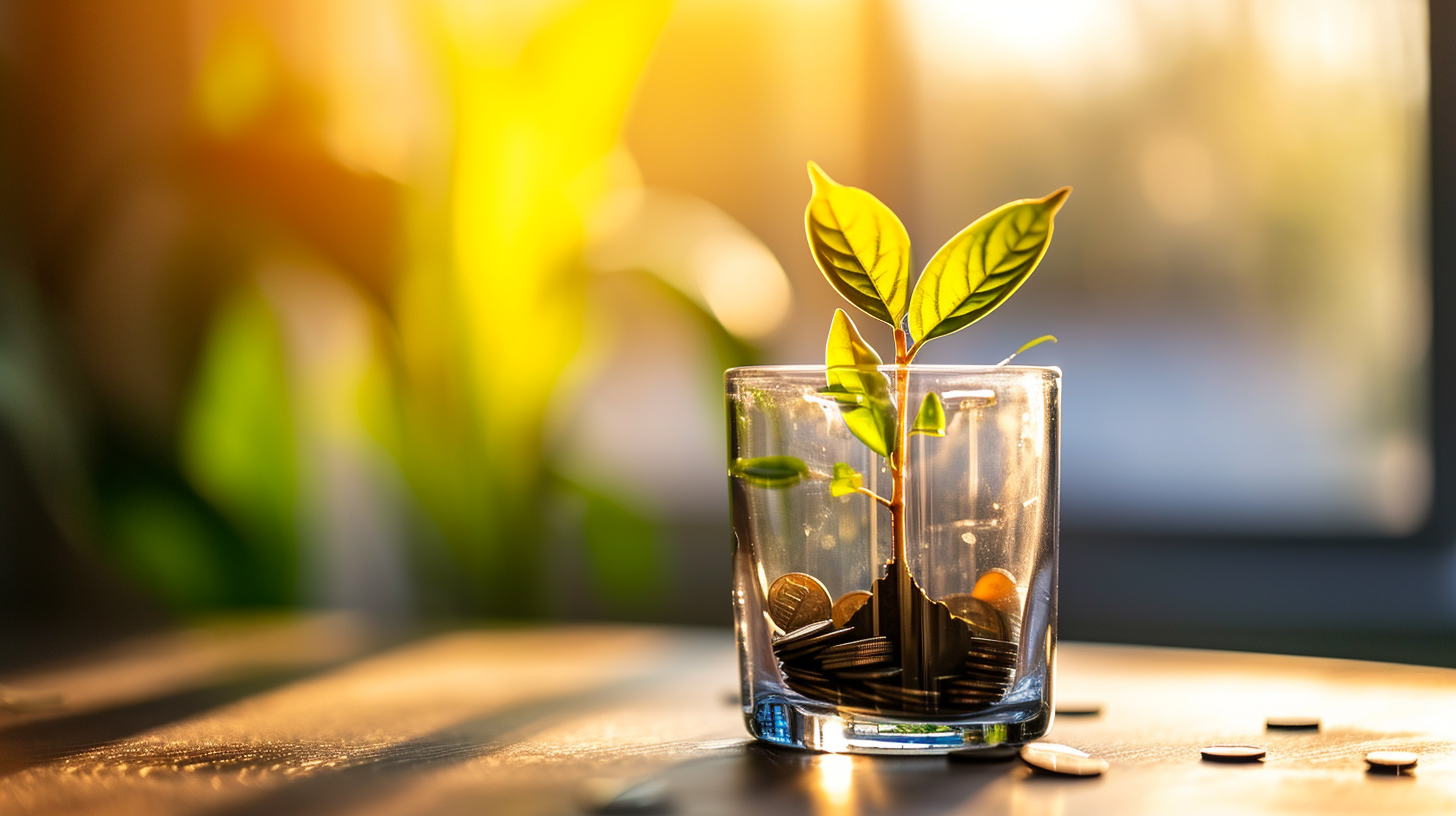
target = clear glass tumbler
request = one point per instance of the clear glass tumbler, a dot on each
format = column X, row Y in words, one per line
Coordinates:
column 843, row 646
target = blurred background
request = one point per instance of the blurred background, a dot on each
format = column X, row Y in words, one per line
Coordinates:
column 421, row 308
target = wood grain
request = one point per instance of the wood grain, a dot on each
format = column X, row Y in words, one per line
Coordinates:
column 310, row 718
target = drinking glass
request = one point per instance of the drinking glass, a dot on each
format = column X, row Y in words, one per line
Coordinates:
column 844, row 647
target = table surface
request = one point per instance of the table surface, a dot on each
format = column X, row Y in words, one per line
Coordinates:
column 325, row 716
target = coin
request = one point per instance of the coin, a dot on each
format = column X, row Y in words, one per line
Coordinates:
column 802, row 646
column 1293, row 723
column 1079, row 708
column 848, row 604
column 796, row 600
column 1233, row 753
column 982, row 616
column 997, row 587
column 1056, row 748
column 807, row 675
column 1061, row 760
column 874, row 645
column 843, row 663
column 1391, row 761
column 802, row 633
column 869, row 673
column 996, row 674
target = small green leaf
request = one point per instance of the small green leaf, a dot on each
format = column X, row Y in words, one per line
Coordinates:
column 846, row 480
column 982, row 266
column 1045, row 338
column 770, row 471
column 860, row 246
column 856, row 383
column 931, row 419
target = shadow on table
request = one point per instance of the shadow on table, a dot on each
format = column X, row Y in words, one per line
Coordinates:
column 32, row 742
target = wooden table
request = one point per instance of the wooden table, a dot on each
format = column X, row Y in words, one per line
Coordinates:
column 321, row 716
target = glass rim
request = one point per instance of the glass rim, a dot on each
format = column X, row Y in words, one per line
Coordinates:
column 913, row 368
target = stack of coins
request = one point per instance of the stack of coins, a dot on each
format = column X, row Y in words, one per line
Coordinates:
column 823, row 658
column 989, row 669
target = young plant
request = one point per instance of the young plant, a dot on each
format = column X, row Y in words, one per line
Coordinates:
column 864, row 252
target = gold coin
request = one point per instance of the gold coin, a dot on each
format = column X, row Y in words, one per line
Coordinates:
column 997, row 587
column 796, row 600
column 982, row 617
column 848, row 604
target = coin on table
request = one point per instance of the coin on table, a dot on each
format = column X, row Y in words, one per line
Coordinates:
column 981, row 615
column 848, row 604
column 1078, row 708
column 796, row 600
column 1060, row 759
column 1391, row 761
column 1293, row 723
column 997, row 587
column 1233, row 753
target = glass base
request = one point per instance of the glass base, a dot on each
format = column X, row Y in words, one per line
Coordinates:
column 781, row 721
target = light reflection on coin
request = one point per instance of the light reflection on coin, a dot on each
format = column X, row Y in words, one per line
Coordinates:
column 997, row 587
column 848, row 604
column 1059, row 759
column 1233, row 753
column 796, row 600
column 1391, row 761
column 982, row 616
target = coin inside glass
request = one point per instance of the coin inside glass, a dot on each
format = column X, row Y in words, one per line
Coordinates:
column 796, row 600
column 848, row 604
column 997, row 587
column 982, row 616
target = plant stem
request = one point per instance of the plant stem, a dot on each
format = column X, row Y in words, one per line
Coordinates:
column 872, row 494
column 912, row 645
column 902, row 442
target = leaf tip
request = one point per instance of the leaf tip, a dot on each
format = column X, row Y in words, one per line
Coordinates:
column 1056, row 199
column 818, row 176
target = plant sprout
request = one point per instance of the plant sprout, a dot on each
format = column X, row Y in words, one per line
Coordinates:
column 864, row 252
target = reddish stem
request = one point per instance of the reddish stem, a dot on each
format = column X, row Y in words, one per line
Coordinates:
column 902, row 442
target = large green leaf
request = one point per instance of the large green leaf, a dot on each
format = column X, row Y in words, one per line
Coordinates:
column 862, row 391
column 931, row 419
column 860, row 246
column 982, row 266
column 770, row 471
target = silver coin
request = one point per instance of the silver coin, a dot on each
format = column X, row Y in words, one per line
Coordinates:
column 1233, row 753
column 1061, row 760
column 1391, row 761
